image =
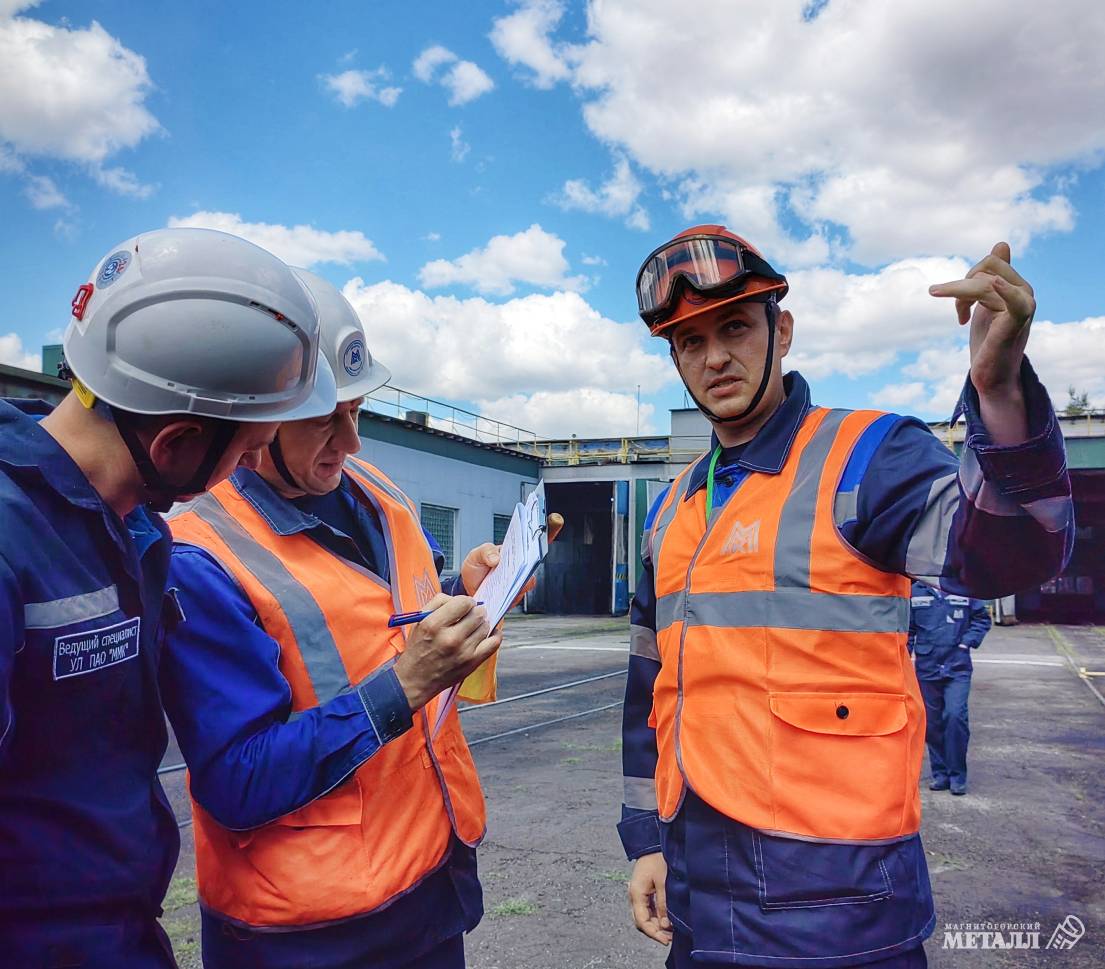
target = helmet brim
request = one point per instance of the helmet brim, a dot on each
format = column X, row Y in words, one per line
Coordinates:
column 755, row 295
column 373, row 378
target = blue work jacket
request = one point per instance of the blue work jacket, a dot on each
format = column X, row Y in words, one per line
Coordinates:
column 997, row 520
column 84, row 822
column 251, row 762
column 943, row 629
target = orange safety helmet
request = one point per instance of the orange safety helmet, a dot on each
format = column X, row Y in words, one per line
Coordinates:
column 715, row 267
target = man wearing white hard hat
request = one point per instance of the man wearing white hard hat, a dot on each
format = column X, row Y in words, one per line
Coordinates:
column 185, row 349
column 333, row 828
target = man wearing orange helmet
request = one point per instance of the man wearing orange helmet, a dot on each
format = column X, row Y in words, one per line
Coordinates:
column 773, row 728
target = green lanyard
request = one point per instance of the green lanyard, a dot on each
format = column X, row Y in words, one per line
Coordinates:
column 710, row 483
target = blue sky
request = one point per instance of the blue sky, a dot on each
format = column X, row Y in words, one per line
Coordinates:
column 486, row 205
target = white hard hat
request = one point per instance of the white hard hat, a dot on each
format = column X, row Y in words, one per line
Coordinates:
column 199, row 322
column 342, row 340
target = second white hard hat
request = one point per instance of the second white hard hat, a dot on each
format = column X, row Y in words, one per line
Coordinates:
column 342, row 340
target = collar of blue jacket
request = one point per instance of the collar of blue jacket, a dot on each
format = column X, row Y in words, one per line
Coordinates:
column 282, row 515
column 768, row 450
column 29, row 451
column 26, row 447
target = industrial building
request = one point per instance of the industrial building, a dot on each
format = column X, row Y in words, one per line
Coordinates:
column 466, row 473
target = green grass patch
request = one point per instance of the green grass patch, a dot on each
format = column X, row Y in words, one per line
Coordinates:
column 513, row 906
column 595, row 748
column 182, row 892
column 615, row 875
column 571, row 761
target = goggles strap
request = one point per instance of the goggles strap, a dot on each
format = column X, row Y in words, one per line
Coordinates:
column 160, row 494
column 276, row 452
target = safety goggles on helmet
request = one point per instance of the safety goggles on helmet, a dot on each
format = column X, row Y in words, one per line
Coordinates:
column 713, row 265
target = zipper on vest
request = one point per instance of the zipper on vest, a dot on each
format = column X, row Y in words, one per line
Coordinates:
column 710, row 522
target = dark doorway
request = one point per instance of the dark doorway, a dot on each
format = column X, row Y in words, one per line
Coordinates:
column 1078, row 595
column 577, row 574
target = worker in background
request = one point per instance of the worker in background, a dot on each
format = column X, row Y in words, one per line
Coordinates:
column 332, row 828
column 184, row 350
column 943, row 629
column 773, row 727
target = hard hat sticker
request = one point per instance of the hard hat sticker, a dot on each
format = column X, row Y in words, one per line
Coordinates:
column 114, row 267
column 353, row 358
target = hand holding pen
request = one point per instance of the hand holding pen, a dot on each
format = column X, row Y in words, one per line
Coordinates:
column 444, row 647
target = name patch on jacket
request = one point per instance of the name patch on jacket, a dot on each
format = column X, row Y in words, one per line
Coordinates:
column 96, row 649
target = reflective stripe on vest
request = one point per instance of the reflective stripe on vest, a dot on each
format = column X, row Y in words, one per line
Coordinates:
column 312, row 635
column 381, row 830
column 785, row 697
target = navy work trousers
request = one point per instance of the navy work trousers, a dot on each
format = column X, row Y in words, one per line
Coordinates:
column 948, row 728
column 680, row 958
column 92, row 939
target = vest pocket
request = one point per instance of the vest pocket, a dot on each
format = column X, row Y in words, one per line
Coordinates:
column 839, row 764
column 803, row 874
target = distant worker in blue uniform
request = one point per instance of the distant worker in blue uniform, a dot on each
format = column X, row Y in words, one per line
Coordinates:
column 773, row 730
column 943, row 629
column 185, row 349
column 334, row 828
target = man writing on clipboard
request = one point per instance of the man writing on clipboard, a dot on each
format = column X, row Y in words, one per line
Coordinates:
column 333, row 827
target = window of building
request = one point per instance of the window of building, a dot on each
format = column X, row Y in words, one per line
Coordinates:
column 498, row 530
column 442, row 524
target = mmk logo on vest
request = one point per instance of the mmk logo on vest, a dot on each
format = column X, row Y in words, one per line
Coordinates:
column 743, row 539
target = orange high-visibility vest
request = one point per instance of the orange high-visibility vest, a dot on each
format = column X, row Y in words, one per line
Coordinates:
column 786, row 698
column 389, row 824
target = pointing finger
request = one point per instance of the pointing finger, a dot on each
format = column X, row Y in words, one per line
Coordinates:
column 994, row 265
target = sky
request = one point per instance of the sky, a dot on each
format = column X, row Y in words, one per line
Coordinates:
column 483, row 180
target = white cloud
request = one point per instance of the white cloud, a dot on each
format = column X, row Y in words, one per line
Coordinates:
column 43, row 193
column 458, row 147
column 351, row 87
column 476, row 350
column 464, row 80
column 13, row 353
column 9, row 8
column 588, row 412
column 593, row 260
column 76, row 94
column 122, row 182
column 523, row 38
column 533, row 257
column 900, row 396
column 941, row 371
column 1064, row 355
column 432, row 237
column 616, row 197
column 298, row 245
column 1070, row 355
column 779, row 127
column 426, row 64
column 856, row 324
column 9, row 163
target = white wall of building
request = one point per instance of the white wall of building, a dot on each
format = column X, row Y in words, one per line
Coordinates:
column 477, row 492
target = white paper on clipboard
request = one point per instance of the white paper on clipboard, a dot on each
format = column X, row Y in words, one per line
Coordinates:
column 525, row 544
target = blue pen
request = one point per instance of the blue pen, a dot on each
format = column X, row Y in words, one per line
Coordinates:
column 408, row 618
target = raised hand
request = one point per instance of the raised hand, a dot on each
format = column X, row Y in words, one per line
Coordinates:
column 999, row 305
